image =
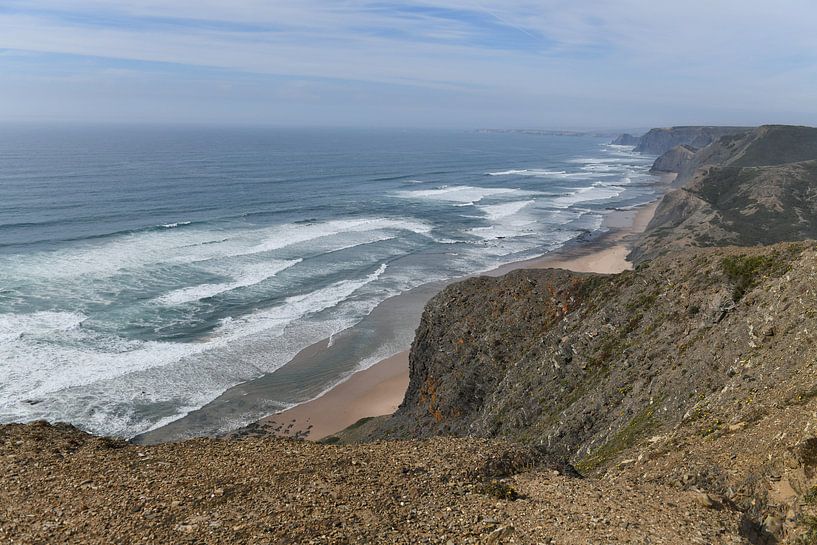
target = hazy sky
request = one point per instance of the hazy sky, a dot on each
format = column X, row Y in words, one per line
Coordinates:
column 459, row 63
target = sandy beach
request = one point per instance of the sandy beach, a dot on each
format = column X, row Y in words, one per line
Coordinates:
column 379, row 389
column 375, row 391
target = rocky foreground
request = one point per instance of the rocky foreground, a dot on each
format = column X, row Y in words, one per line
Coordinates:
column 60, row 485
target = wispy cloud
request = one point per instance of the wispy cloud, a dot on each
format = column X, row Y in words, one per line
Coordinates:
column 523, row 59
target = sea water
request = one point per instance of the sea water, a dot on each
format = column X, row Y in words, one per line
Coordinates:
column 144, row 271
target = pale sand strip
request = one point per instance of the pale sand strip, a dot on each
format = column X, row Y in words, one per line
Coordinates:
column 375, row 391
column 379, row 389
column 611, row 259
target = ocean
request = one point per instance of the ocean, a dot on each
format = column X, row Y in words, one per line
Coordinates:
column 145, row 271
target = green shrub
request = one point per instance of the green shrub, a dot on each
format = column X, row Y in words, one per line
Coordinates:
column 500, row 491
column 809, row 535
column 626, row 437
column 746, row 272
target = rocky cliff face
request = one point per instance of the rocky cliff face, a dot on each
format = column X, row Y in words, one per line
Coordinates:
column 659, row 141
column 674, row 160
column 561, row 358
column 572, row 361
column 655, row 370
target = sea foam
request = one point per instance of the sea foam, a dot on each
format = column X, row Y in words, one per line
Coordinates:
column 463, row 194
column 78, row 359
column 185, row 246
column 249, row 275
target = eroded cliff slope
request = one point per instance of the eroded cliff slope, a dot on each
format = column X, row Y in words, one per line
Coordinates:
column 567, row 359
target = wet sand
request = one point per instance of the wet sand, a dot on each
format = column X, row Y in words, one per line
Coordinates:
column 375, row 391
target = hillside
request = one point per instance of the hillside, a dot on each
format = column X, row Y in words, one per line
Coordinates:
column 674, row 160
column 692, row 349
column 759, row 188
column 550, row 353
column 626, row 139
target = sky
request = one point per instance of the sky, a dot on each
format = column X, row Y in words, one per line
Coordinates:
column 556, row 64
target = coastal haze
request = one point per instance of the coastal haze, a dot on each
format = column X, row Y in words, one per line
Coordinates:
column 146, row 271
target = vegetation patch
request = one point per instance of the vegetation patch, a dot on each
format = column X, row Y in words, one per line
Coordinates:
column 626, row 437
column 500, row 491
column 745, row 272
column 643, row 302
column 711, row 427
column 810, row 497
column 803, row 397
column 808, row 523
column 360, row 422
column 616, row 341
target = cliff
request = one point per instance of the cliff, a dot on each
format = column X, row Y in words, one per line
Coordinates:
column 563, row 356
column 681, row 369
column 626, row 139
column 757, row 188
column 659, row 141
column 568, row 359
column 674, row 160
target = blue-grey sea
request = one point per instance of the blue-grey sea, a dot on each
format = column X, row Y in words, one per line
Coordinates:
column 144, row 271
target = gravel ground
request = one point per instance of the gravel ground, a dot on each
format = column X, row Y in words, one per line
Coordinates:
column 60, row 485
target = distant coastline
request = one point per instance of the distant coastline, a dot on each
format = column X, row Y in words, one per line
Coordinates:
column 551, row 132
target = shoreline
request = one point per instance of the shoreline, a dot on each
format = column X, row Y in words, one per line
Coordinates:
column 379, row 389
